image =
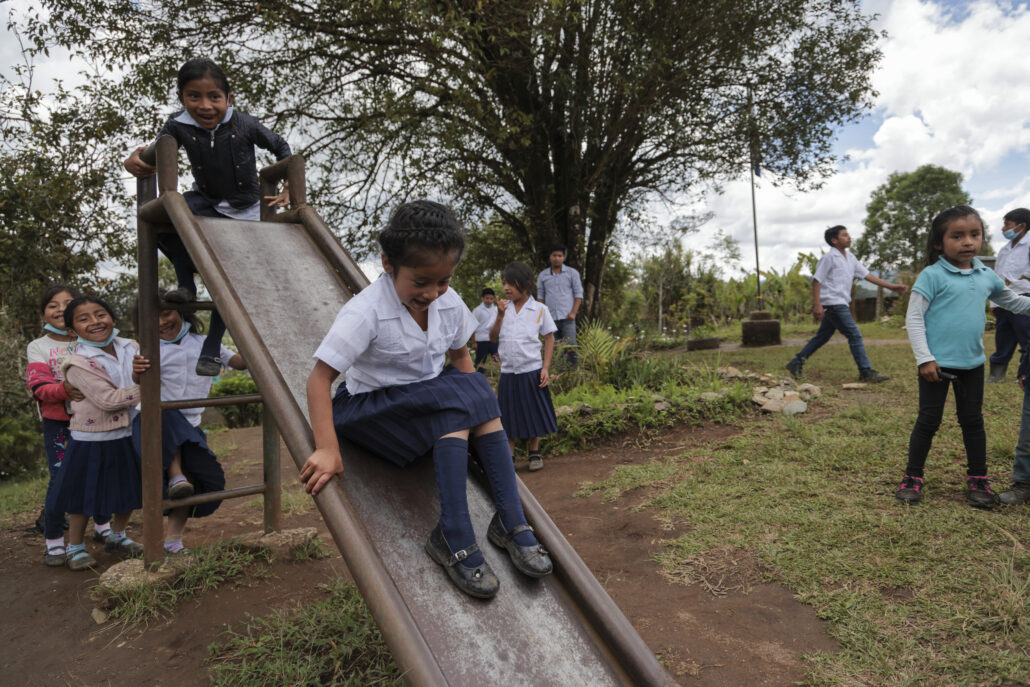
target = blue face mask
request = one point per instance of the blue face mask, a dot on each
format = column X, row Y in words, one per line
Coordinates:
column 1010, row 234
column 54, row 330
column 182, row 332
column 100, row 344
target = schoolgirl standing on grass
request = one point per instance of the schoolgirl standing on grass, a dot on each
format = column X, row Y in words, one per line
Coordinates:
column 190, row 466
column 945, row 322
column 100, row 472
column 45, row 380
column 219, row 142
column 400, row 403
column 522, row 393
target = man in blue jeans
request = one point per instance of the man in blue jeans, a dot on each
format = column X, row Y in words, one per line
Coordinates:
column 831, row 294
column 561, row 290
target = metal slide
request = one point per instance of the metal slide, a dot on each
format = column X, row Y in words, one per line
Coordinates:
column 279, row 285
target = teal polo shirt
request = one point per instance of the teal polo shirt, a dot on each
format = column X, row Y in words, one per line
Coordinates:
column 956, row 317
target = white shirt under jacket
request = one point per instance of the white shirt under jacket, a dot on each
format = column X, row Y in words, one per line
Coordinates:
column 377, row 343
column 119, row 369
column 519, row 338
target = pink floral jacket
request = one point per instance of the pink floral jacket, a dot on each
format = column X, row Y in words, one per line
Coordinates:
column 106, row 406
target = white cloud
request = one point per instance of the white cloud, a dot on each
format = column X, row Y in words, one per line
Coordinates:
column 950, row 93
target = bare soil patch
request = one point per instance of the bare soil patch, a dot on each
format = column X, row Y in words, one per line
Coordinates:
column 750, row 632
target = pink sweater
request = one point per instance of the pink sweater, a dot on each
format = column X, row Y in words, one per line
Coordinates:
column 44, row 376
column 106, row 406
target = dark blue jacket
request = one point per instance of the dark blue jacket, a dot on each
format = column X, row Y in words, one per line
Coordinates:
column 223, row 161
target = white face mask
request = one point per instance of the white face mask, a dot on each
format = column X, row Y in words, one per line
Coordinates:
column 182, row 332
column 100, row 344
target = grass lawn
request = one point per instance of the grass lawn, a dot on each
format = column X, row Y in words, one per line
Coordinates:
column 937, row 594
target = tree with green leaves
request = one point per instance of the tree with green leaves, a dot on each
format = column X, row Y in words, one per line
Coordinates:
column 899, row 215
column 562, row 118
column 62, row 212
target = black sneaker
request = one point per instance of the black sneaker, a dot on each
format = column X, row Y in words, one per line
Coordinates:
column 208, row 366
column 40, row 524
column 979, row 493
column 872, row 376
column 911, row 490
column 794, row 368
column 1018, row 493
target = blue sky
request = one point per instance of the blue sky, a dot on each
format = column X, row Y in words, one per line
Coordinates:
column 951, row 92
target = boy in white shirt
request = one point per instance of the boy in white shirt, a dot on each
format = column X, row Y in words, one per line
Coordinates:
column 485, row 314
column 1012, row 263
column 831, row 294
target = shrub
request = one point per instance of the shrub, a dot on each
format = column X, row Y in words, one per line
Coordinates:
column 21, row 446
column 234, row 383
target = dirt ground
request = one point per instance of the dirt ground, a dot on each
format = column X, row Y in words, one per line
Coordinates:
column 753, row 637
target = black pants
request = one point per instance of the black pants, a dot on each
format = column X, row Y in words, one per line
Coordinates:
column 171, row 245
column 484, row 349
column 969, row 396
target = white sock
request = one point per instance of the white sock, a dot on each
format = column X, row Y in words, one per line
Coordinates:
column 102, row 529
column 54, row 544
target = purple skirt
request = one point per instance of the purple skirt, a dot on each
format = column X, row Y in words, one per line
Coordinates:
column 526, row 409
column 402, row 423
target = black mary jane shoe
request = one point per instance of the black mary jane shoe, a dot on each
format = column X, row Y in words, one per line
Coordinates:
column 479, row 582
column 529, row 560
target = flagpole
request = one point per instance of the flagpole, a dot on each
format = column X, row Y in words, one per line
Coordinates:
column 754, row 223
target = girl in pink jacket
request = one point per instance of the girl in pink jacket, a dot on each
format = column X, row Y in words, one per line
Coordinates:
column 100, row 472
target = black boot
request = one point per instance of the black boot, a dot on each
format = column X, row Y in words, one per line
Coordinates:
column 997, row 373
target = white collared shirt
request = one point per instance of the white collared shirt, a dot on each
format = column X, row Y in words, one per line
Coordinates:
column 120, row 371
column 485, row 318
column 1012, row 263
column 836, row 273
column 179, row 379
column 377, row 343
column 519, row 337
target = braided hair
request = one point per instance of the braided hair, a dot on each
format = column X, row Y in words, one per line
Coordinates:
column 420, row 233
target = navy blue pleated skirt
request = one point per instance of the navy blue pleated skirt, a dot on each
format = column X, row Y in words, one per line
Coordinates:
column 402, row 423
column 526, row 409
column 199, row 463
column 97, row 477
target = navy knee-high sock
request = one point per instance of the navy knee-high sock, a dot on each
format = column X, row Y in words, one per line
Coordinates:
column 450, row 460
column 212, row 345
column 495, row 455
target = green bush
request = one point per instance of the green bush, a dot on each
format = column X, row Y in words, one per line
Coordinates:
column 21, row 446
column 235, row 383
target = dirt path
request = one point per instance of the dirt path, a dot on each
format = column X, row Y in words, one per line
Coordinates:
column 750, row 639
